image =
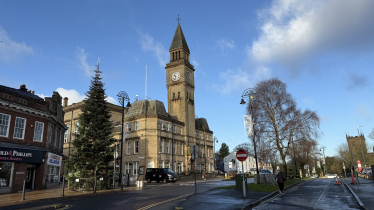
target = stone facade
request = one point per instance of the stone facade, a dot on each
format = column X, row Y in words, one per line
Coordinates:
column 357, row 144
column 153, row 136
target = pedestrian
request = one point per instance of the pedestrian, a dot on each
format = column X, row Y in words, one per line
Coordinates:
column 280, row 180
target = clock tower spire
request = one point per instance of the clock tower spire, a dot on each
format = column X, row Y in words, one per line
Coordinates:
column 180, row 82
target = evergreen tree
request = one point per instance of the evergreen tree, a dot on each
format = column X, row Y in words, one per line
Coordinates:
column 223, row 151
column 92, row 144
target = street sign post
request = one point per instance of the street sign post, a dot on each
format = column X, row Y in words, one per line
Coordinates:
column 241, row 155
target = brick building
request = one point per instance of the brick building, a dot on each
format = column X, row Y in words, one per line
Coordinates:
column 31, row 134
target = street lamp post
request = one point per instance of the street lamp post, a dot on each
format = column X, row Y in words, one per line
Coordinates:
column 214, row 153
column 358, row 133
column 249, row 93
column 324, row 160
column 122, row 97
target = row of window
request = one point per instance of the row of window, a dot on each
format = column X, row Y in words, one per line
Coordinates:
column 199, row 135
column 136, row 147
column 209, row 168
column 169, row 127
column 19, row 128
column 167, row 147
column 66, row 135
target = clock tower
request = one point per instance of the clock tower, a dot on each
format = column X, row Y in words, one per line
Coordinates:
column 180, row 83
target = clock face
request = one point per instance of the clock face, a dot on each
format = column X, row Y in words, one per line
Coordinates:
column 176, row 75
column 188, row 76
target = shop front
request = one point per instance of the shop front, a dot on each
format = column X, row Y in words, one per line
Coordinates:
column 53, row 169
column 18, row 164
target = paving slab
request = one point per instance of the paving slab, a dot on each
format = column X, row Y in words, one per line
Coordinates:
column 365, row 192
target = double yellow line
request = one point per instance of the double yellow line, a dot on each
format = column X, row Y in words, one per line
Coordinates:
column 165, row 201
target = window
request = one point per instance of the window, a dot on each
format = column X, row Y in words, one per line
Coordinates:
column 174, row 148
column 128, row 148
column 202, row 151
column 180, row 130
column 135, row 166
column 19, row 128
column 61, row 139
column 180, row 167
column 5, row 174
column 167, row 165
column 208, row 152
column 175, row 166
column 136, row 146
column 198, row 167
column 66, row 137
column 127, row 168
column 173, row 128
column 56, row 137
column 4, row 124
column 167, row 126
column 38, row 131
column 161, row 146
column 167, row 147
column 76, row 127
column 161, row 164
column 127, row 127
column 136, row 126
column 159, row 124
column 181, row 148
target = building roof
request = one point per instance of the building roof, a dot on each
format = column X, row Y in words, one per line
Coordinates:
column 178, row 40
column 143, row 107
column 22, row 92
column 202, row 124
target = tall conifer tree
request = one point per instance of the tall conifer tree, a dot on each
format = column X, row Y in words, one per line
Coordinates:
column 92, row 144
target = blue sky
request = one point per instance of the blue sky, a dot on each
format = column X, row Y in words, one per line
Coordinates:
column 323, row 50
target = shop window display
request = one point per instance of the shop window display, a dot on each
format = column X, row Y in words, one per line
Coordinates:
column 5, row 173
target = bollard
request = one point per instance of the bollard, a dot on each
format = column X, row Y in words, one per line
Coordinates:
column 63, row 186
column 23, row 190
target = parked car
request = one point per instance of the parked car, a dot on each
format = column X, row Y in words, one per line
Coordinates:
column 160, row 174
column 264, row 171
column 366, row 170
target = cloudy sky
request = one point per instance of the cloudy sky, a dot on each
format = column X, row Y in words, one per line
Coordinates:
column 323, row 50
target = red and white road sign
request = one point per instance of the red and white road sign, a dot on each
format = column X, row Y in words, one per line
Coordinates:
column 241, row 155
column 359, row 165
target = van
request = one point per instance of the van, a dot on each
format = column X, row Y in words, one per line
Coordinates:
column 160, row 174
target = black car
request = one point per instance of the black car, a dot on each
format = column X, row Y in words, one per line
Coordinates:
column 160, row 174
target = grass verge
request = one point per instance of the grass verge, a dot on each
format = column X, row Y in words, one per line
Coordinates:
column 265, row 188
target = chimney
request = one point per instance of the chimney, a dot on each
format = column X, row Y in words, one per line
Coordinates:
column 23, row 87
column 65, row 101
column 33, row 92
column 29, row 91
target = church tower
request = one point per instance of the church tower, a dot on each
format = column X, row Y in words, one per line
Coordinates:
column 180, row 83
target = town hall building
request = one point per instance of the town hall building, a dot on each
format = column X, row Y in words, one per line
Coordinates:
column 154, row 137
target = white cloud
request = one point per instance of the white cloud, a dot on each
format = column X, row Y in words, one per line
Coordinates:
column 82, row 57
column 224, row 45
column 364, row 111
column 308, row 101
column 293, row 31
column 239, row 79
column 195, row 63
column 75, row 97
column 155, row 47
column 11, row 50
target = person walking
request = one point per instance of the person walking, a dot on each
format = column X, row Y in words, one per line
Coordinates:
column 280, row 180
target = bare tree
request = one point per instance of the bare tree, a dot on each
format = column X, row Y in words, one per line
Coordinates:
column 278, row 120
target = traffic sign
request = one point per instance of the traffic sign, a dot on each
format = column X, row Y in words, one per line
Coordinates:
column 241, row 155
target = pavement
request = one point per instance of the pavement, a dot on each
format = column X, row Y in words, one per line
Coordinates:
column 365, row 192
column 54, row 193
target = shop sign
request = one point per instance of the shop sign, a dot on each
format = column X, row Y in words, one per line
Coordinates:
column 54, row 160
column 20, row 155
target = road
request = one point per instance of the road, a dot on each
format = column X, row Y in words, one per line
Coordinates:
column 153, row 196
column 316, row 194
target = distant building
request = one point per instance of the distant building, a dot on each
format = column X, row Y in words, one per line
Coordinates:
column 31, row 137
column 249, row 164
column 357, row 144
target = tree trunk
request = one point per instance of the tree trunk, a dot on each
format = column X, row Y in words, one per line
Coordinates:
column 284, row 165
